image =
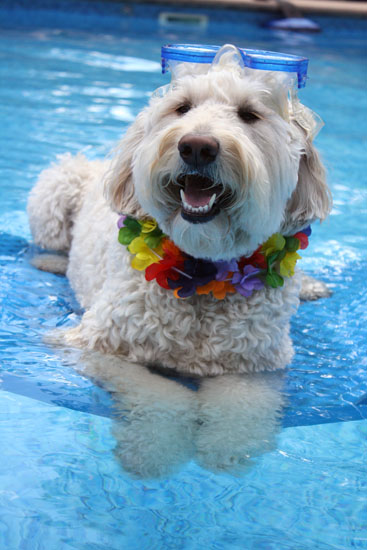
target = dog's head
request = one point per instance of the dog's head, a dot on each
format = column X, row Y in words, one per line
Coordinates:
column 222, row 161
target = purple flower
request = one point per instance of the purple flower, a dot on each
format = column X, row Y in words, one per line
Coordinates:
column 245, row 283
column 120, row 221
column 224, row 267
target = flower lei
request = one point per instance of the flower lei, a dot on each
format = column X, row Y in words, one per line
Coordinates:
column 173, row 269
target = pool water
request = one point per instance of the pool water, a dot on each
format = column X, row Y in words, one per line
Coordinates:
column 73, row 77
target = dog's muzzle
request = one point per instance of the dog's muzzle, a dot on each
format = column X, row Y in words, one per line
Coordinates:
column 198, row 193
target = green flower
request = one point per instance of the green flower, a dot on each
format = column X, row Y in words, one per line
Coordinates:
column 129, row 232
column 147, row 229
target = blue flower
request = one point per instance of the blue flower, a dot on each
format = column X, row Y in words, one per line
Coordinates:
column 200, row 273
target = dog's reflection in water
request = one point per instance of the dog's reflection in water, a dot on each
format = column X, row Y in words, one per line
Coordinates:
column 163, row 422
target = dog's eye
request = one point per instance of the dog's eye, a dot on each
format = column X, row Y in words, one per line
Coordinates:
column 248, row 116
column 184, row 108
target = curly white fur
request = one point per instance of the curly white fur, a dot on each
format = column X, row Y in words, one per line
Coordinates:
column 277, row 183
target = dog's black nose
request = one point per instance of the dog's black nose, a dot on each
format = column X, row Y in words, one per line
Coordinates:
column 198, row 150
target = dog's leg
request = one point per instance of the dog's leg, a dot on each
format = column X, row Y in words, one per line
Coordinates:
column 112, row 324
column 56, row 199
column 239, row 416
column 313, row 289
column 102, row 329
column 155, row 416
column 53, row 263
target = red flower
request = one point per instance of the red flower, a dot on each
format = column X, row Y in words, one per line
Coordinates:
column 160, row 271
column 303, row 239
column 257, row 260
column 163, row 270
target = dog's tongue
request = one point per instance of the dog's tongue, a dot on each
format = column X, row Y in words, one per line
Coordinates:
column 197, row 191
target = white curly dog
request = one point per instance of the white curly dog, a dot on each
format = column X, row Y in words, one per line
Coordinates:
column 222, row 161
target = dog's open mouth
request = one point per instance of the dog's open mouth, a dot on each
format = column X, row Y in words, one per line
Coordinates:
column 199, row 198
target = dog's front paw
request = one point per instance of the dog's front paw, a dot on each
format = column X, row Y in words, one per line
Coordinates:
column 154, row 442
column 155, row 434
column 238, row 420
column 52, row 263
column 90, row 335
column 313, row 289
column 155, row 416
column 71, row 337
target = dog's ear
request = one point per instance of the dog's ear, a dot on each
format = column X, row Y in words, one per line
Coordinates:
column 311, row 200
column 118, row 182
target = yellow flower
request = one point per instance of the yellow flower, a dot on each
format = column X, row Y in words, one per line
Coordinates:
column 144, row 256
column 275, row 243
column 287, row 265
column 148, row 226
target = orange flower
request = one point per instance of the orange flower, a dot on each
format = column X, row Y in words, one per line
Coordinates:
column 175, row 293
column 172, row 250
column 218, row 288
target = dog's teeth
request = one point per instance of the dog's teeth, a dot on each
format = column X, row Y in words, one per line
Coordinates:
column 197, row 209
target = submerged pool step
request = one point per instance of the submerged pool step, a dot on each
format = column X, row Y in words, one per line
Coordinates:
column 56, row 394
column 173, row 19
column 60, row 395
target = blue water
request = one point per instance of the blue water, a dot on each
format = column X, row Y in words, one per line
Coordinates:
column 71, row 80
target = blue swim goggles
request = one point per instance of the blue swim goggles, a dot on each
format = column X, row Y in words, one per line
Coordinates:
column 253, row 59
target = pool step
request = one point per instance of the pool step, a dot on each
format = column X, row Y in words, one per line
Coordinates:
column 174, row 19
